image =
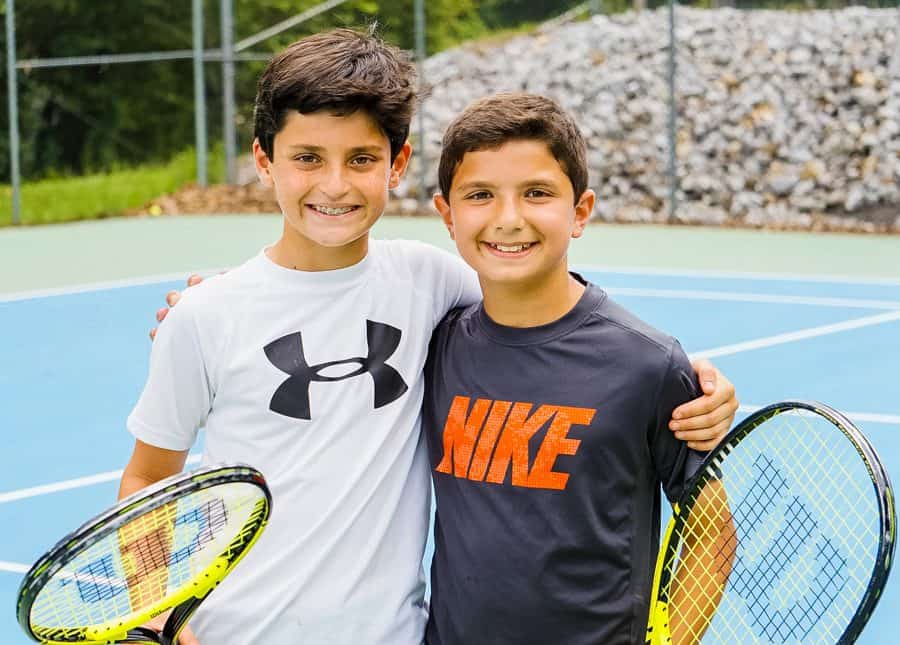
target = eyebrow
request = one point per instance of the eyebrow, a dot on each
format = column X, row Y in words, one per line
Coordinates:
column 474, row 184
column 298, row 147
column 537, row 182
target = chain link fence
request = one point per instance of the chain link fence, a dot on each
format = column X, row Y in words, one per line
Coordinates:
column 777, row 114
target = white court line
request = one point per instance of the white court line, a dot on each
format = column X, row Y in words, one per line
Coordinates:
column 802, row 334
column 103, row 286
column 711, row 353
column 671, row 272
column 685, row 294
column 868, row 417
column 741, row 275
column 13, row 567
column 69, row 484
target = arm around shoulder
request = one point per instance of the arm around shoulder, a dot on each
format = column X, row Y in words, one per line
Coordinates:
column 458, row 279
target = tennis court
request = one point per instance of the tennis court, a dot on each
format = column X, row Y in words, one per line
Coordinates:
column 784, row 315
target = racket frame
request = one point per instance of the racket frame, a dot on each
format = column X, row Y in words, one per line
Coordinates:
column 186, row 600
column 658, row 624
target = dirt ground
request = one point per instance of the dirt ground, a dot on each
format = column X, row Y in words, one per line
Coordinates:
column 253, row 198
column 247, row 198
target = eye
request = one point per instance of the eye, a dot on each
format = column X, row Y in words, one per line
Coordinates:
column 478, row 196
column 537, row 193
column 364, row 160
column 306, row 158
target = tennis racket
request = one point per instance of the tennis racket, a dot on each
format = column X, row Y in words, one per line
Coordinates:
column 785, row 535
column 165, row 547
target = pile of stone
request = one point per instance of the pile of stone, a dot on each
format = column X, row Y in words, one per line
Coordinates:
column 785, row 119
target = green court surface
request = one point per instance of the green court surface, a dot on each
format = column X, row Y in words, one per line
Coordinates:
column 37, row 258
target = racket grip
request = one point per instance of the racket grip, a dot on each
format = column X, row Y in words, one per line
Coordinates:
column 144, row 635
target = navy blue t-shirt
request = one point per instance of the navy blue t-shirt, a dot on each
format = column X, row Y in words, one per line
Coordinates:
column 548, row 446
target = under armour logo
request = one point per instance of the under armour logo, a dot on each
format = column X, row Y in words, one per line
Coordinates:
column 292, row 397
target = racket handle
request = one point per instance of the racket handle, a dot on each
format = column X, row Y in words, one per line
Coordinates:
column 146, row 635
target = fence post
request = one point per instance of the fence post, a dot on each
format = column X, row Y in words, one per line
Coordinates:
column 199, row 93
column 673, row 115
column 228, row 89
column 420, row 57
column 13, row 103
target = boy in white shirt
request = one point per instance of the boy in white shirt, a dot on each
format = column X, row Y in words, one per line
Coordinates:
column 306, row 362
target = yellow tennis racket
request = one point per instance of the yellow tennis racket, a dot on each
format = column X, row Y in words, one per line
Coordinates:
column 164, row 548
column 785, row 535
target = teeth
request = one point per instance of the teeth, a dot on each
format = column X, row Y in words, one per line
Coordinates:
column 333, row 211
column 511, row 248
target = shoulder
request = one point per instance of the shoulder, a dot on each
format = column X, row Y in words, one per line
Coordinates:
column 457, row 318
column 454, row 335
column 413, row 255
column 220, row 292
column 461, row 315
column 623, row 332
column 424, row 270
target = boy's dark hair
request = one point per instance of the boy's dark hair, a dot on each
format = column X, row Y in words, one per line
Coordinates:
column 339, row 71
column 494, row 120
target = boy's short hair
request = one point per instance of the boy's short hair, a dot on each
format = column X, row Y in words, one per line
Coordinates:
column 494, row 120
column 339, row 71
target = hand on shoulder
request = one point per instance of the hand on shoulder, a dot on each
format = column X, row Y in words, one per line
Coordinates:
column 705, row 421
column 172, row 299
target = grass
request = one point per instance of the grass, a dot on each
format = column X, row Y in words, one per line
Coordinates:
column 103, row 194
column 499, row 37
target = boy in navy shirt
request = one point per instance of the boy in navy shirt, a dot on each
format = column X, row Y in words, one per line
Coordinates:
column 546, row 405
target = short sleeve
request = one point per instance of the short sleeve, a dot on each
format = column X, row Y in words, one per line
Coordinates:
column 177, row 396
column 459, row 284
column 673, row 461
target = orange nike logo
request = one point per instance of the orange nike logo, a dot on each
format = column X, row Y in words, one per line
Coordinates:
column 482, row 442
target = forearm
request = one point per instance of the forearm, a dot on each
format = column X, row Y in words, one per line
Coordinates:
column 148, row 465
column 147, row 541
column 696, row 592
column 705, row 562
column 132, row 483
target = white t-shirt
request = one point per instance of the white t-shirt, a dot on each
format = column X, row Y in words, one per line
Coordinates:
column 314, row 378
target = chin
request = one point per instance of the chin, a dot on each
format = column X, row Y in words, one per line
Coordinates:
column 336, row 243
column 507, row 278
column 338, row 235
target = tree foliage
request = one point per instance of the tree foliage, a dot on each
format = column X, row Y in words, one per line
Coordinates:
column 97, row 117
column 88, row 118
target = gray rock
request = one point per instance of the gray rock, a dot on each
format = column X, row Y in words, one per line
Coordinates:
column 634, row 214
column 855, row 198
column 765, row 99
column 700, row 213
column 744, row 202
column 783, row 183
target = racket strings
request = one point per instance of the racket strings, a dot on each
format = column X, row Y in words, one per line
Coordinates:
column 787, row 555
column 137, row 566
column 144, row 547
column 850, row 526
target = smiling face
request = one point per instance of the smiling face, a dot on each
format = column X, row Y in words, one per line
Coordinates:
column 512, row 211
column 331, row 176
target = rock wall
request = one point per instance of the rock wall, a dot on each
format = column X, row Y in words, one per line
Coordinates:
column 785, row 119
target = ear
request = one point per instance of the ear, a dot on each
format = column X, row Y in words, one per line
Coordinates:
column 398, row 168
column 583, row 210
column 443, row 207
column 263, row 169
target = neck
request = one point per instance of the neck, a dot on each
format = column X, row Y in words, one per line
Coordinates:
column 294, row 251
column 533, row 304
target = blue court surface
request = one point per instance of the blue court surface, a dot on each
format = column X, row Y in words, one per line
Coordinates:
column 74, row 364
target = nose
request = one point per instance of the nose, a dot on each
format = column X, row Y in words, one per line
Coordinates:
column 334, row 184
column 507, row 217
